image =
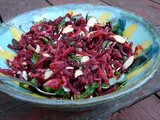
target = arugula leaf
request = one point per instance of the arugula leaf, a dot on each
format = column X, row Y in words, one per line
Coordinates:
column 75, row 58
column 45, row 40
column 39, row 28
column 66, row 95
column 89, row 90
column 62, row 24
column 21, row 84
column 35, row 58
column 34, row 81
column 71, row 43
column 48, row 89
column 104, row 44
column 48, row 40
column 60, row 92
column 117, row 74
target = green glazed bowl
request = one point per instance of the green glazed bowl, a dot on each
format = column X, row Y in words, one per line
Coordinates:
column 137, row 30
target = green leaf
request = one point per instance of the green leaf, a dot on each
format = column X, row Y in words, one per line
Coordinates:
column 48, row 89
column 39, row 28
column 60, row 92
column 75, row 58
column 35, row 58
column 104, row 44
column 21, row 84
column 71, row 43
column 45, row 40
column 117, row 74
column 89, row 90
column 62, row 24
column 66, row 96
column 34, row 81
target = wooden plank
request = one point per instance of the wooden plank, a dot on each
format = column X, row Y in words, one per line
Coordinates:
column 137, row 113
column 158, row 93
column 119, row 116
column 11, row 8
column 145, row 109
column 59, row 2
column 156, row 1
column 149, row 10
column 151, row 105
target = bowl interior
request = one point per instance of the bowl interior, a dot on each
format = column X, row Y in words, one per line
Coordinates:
column 137, row 30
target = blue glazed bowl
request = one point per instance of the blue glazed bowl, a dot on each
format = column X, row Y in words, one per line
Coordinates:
column 137, row 30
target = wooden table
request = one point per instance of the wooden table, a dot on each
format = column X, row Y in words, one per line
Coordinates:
column 146, row 109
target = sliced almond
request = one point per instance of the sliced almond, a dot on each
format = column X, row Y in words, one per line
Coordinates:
column 91, row 22
column 37, row 50
column 46, row 55
column 24, row 75
column 84, row 59
column 24, row 63
column 128, row 62
column 87, row 28
column 69, row 68
column 119, row 39
column 68, row 29
column 82, row 33
column 78, row 73
column 48, row 74
column 66, row 89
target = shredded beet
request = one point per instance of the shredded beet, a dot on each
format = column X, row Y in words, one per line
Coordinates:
column 72, row 58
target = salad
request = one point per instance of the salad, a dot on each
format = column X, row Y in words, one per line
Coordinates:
column 73, row 57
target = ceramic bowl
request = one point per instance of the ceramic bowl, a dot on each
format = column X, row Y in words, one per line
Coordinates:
column 137, row 29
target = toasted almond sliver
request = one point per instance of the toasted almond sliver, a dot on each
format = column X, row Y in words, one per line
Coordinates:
column 78, row 73
column 84, row 59
column 46, row 55
column 24, row 75
column 91, row 22
column 69, row 68
column 82, row 33
column 119, row 38
column 48, row 74
column 37, row 50
column 128, row 62
column 68, row 29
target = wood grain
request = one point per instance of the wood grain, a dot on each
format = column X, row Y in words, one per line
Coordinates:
column 158, row 93
column 59, row 2
column 11, row 8
column 137, row 113
column 156, row 1
column 151, row 105
column 146, row 8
